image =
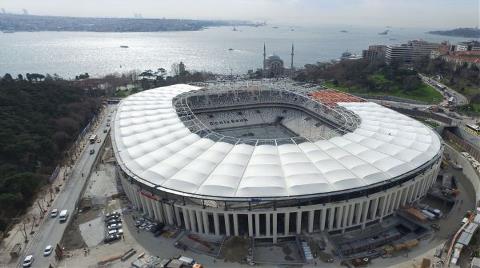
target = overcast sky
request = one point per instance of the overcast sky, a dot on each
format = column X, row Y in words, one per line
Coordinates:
column 405, row 13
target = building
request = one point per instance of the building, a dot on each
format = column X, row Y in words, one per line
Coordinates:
column 269, row 159
column 273, row 65
column 374, row 52
column 467, row 46
column 460, row 54
column 410, row 52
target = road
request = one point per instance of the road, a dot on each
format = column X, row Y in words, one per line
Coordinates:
column 51, row 230
column 459, row 99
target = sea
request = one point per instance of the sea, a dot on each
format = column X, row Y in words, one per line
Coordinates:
column 220, row 49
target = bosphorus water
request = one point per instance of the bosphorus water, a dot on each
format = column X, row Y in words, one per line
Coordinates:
column 71, row 53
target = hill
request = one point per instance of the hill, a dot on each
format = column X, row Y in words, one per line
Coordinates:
column 39, row 119
column 459, row 32
column 366, row 78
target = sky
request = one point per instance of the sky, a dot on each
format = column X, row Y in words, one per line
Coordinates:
column 403, row 13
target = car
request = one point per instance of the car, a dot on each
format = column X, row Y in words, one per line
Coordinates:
column 27, row 262
column 54, row 213
column 92, row 151
column 112, row 221
column 113, row 217
column 99, row 140
column 47, row 251
column 108, row 124
column 114, row 226
column 112, row 214
column 105, row 131
column 111, row 238
column 112, row 232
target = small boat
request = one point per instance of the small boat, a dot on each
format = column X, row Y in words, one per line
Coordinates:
column 275, row 27
column 230, row 49
column 344, row 31
column 124, row 46
column 384, row 32
column 234, row 29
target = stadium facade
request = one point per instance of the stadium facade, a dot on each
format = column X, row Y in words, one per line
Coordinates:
column 269, row 159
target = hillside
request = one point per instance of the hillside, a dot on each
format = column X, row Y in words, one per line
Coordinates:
column 370, row 79
column 38, row 120
column 459, row 32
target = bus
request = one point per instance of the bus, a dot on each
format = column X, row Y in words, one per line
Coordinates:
column 93, row 139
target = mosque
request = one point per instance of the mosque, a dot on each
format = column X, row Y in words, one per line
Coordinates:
column 273, row 65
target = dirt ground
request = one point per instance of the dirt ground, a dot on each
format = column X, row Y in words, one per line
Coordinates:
column 235, row 249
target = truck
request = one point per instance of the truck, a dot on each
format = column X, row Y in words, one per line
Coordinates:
column 428, row 214
column 92, row 138
column 63, row 215
column 415, row 214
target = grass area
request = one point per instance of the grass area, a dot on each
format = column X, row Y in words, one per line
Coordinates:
column 423, row 93
column 471, row 109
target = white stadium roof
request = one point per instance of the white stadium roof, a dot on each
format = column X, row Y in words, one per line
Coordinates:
column 153, row 145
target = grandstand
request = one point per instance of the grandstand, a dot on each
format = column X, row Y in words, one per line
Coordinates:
column 269, row 159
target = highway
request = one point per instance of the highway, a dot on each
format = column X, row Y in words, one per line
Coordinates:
column 51, row 230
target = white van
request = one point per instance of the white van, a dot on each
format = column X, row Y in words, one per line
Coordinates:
column 63, row 215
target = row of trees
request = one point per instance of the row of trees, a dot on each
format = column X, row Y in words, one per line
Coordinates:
column 158, row 78
column 39, row 119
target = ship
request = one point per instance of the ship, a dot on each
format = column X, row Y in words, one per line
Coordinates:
column 384, row 32
column 124, row 46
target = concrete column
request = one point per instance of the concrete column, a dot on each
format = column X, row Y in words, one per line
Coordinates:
column 191, row 216
column 322, row 219
column 206, row 225
column 331, row 217
column 384, row 207
column 358, row 213
column 399, row 199
column 169, row 214
column 142, row 206
column 374, row 208
column 257, row 225
column 250, row 224
column 389, row 203
column 216, row 223
column 154, row 209
column 366, row 207
column 299, row 221
column 351, row 209
column 198, row 213
column 177, row 216
column 274, row 227
column 227, row 224
column 345, row 216
column 160, row 215
column 267, row 220
column 186, row 220
column 235, row 224
column 339, row 217
column 311, row 215
column 287, row 223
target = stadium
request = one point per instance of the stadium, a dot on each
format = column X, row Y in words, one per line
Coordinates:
column 269, row 159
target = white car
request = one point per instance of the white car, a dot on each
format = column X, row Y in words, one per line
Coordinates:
column 48, row 250
column 54, row 213
column 114, row 226
column 27, row 262
column 115, row 231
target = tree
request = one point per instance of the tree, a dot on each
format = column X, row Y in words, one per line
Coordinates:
column 7, row 78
